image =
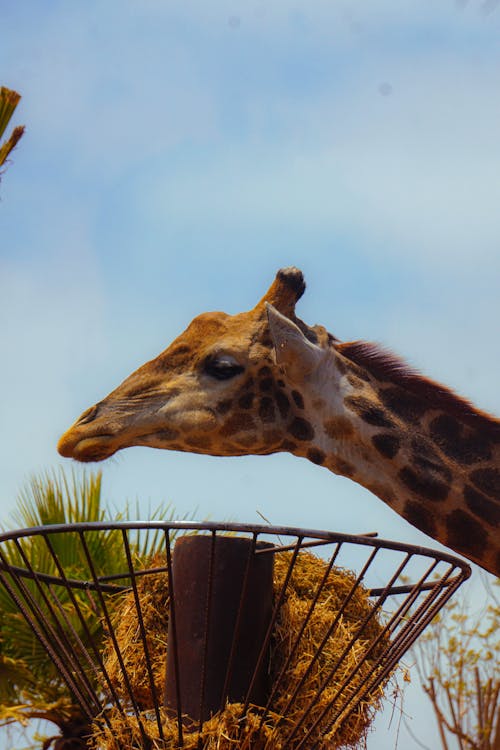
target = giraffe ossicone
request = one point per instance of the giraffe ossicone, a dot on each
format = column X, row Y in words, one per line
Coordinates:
column 263, row 381
column 293, row 353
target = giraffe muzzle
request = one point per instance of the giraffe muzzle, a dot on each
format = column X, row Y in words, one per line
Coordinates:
column 86, row 449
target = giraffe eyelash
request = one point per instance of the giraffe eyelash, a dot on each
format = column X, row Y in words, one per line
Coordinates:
column 222, row 367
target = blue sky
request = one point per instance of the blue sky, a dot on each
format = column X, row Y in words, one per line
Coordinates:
column 178, row 153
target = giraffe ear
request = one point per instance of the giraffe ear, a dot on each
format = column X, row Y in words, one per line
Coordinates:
column 286, row 289
column 294, row 353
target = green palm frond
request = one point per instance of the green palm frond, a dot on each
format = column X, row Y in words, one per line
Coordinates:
column 8, row 102
column 12, row 672
column 55, row 497
column 29, row 682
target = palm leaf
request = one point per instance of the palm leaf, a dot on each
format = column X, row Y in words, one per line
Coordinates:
column 33, row 684
column 8, row 102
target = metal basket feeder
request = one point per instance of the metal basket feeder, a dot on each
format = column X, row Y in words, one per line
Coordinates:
column 226, row 589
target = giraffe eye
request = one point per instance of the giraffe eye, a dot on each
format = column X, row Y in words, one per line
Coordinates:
column 222, row 367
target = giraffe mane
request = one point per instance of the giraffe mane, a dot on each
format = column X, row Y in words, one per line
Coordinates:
column 385, row 365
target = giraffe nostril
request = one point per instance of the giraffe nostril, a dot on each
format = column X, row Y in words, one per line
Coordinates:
column 88, row 415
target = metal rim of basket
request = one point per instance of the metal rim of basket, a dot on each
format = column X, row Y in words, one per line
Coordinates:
column 418, row 603
column 317, row 537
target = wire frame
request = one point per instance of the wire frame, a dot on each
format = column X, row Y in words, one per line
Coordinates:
column 56, row 577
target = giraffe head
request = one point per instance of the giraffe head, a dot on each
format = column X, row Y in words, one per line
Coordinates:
column 263, row 381
column 229, row 385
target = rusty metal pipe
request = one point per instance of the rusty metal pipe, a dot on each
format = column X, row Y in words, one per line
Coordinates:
column 223, row 596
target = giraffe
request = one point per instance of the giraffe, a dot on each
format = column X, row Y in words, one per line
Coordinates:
column 263, row 381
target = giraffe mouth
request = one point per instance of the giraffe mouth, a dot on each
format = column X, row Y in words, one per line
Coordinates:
column 96, row 448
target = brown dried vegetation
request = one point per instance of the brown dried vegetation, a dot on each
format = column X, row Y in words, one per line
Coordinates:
column 343, row 657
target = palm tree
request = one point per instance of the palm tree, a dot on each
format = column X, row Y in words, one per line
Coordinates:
column 8, row 102
column 30, row 685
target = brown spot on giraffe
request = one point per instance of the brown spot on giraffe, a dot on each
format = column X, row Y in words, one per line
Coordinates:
column 356, row 371
column 339, row 428
column 421, row 517
column 267, row 412
column 298, row 399
column 266, row 384
column 481, row 506
column 467, row 531
column 263, row 380
column 432, row 467
column 246, row 401
column 167, row 434
column 369, row 411
column 424, row 484
column 316, row 456
column 282, row 403
column 339, row 466
column 223, row 407
column 404, row 405
column 239, row 422
column 488, row 481
column 385, row 492
column 289, row 446
column 387, row 444
column 301, row 429
column 318, row 404
column 204, row 442
column 458, row 441
column 422, row 446
column 272, row 437
column 246, row 440
column 355, row 381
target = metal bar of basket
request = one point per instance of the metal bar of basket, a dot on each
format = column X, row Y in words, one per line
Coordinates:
column 60, row 635
column 149, row 667
column 405, row 589
column 63, row 581
column 267, row 638
column 173, row 638
column 327, row 635
column 347, row 680
column 73, row 582
column 426, row 611
column 44, row 632
column 289, row 547
column 345, row 651
column 108, row 587
column 239, row 619
column 306, row 621
column 112, row 636
column 364, row 688
column 243, row 528
column 208, row 610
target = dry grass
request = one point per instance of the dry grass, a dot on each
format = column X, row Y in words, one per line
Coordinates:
column 153, row 598
column 343, row 652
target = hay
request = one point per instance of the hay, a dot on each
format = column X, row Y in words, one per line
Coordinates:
column 342, row 653
column 154, row 598
column 227, row 730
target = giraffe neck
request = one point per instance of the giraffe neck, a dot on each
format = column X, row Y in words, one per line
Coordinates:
column 437, row 468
